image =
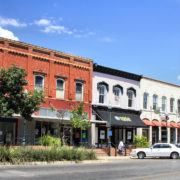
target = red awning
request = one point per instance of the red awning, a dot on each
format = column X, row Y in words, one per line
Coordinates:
column 156, row 123
column 147, row 122
column 164, row 124
column 173, row 125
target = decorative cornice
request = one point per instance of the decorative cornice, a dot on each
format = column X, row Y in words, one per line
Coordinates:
column 45, row 58
column 39, row 72
column 61, row 76
column 79, row 79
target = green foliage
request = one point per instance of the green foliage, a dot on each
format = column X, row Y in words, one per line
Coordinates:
column 50, row 141
column 79, row 118
column 13, row 99
column 141, row 141
column 25, row 154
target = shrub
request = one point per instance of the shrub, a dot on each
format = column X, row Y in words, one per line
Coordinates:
column 26, row 154
column 50, row 141
column 141, row 141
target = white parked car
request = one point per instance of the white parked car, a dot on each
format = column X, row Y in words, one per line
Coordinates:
column 157, row 150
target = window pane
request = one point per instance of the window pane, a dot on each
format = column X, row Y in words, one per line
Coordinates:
column 163, row 103
column 79, row 93
column 145, row 100
column 154, row 102
column 60, row 89
column 171, row 105
column 39, row 82
column 178, row 106
column 130, row 98
column 102, row 90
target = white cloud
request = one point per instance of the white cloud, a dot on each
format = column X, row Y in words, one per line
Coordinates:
column 11, row 22
column 7, row 34
column 57, row 29
column 43, row 22
column 179, row 77
column 84, row 35
column 107, row 39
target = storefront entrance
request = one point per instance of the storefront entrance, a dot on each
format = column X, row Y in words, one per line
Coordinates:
column 155, row 135
column 8, row 129
column 172, row 135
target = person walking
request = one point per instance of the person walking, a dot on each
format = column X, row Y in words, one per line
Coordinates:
column 120, row 147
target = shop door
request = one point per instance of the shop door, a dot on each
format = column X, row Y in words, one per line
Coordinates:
column 172, row 135
column 129, row 136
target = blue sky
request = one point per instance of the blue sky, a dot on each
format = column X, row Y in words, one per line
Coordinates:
column 138, row 36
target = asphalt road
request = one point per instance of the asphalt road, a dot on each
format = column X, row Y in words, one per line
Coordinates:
column 131, row 169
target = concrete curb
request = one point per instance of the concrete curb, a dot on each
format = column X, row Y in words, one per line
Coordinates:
column 99, row 160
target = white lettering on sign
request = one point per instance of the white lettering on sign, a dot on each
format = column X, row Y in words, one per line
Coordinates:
column 122, row 118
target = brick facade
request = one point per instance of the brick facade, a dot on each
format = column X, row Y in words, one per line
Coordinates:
column 52, row 64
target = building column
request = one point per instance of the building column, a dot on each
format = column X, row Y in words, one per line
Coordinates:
column 93, row 134
column 124, row 135
column 176, row 135
column 150, row 135
column 139, row 132
column 168, row 135
column 160, row 133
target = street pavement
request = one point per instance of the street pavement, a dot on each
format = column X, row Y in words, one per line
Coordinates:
column 124, row 168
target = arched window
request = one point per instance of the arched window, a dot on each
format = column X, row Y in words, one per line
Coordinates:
column 145, row 100
column 102, row 93
column 39, row 82
column 60, row 88
column 178, row 106
column 172, row 105
column 79, row 91
column 130, row 95
column 163, row 103
column 117, row 93
column 155, row 102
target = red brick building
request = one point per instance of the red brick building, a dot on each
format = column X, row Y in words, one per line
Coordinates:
column 66, row 80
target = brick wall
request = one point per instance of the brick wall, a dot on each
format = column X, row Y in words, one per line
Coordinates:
column 52, row 64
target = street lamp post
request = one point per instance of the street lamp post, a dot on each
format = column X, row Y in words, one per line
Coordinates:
column 110, row 132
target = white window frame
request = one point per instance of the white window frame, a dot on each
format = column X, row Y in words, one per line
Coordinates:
column 105, row 91
column 82, row 94
column 63, row 88
column 165, row 100
column 146, row 100
column 120, row 93
column 178, row 106
column 42, row 83
column 155, row 103
column 172, row 105
column 132, row 104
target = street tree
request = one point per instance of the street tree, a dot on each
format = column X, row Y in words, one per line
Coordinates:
column 13, row 97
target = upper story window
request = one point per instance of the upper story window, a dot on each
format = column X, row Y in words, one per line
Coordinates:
column 163, row 103
column 117, row 91
column 102, row 93
column 130, row 94
column 39, row 82
column 145, row 101
column 172, row 105
column 155, row 102
column 60, row 88
column 178, row 106
column 79, row 91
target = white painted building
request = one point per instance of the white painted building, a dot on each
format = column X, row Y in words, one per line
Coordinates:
column 115, row 105
column 160, row 105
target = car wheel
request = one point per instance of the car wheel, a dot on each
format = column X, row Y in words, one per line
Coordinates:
column 174, row 155
column 141, row 155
